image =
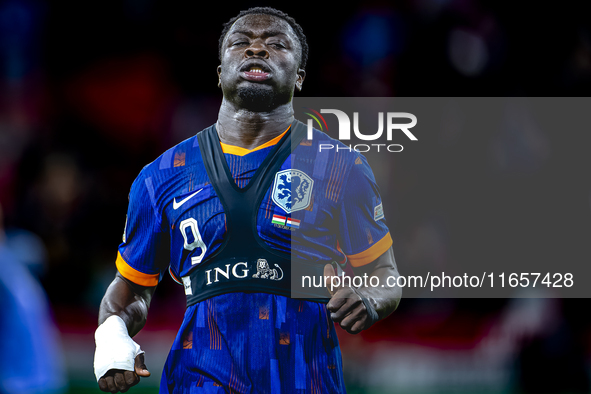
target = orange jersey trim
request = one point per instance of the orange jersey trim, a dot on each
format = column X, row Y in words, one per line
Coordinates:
column 173, row 276
column 371, row 254
column 240, row 151
column 137, row 277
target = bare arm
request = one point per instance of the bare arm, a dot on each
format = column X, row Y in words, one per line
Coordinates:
column 130, row 302
column 347, row 306
column 385, row 299
column 127, row 300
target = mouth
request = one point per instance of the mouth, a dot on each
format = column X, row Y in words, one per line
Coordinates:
column 256, row 72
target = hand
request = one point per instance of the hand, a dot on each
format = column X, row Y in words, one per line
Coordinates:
column 346, row 306
column 116, row 380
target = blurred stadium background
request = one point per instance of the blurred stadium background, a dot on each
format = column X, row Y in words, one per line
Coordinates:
column 91, row 91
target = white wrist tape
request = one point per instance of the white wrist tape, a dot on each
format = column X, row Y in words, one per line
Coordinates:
column 114, row 347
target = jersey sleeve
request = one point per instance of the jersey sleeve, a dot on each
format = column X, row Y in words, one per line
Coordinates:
column 364, row 235
column 142, row 256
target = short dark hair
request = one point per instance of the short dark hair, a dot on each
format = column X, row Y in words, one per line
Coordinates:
column 269, row 11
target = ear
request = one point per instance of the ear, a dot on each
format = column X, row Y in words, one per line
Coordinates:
column 219, row 71
column 300, row 79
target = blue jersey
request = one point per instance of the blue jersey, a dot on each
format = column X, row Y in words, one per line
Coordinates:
column 321, row 206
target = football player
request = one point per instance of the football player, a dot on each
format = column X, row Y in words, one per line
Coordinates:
column 238, row 215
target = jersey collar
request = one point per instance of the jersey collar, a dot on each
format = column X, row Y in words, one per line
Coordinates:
column 240, row 151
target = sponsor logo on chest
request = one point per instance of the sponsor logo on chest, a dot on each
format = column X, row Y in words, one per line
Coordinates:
column 241, row 270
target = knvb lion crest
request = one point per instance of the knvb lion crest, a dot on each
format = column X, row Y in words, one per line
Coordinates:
column 266, row 272
column 292, row 190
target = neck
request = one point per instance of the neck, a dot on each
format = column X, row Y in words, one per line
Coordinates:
column 247, row 129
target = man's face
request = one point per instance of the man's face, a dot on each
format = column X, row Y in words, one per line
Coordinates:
column 260, row 63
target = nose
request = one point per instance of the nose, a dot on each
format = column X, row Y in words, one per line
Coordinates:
column 256, row 49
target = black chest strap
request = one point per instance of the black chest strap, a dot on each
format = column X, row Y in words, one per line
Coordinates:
column 243, row 262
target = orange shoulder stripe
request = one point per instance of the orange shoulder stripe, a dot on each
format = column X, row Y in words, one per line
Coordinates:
column 137, row 277
column 372, row 253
